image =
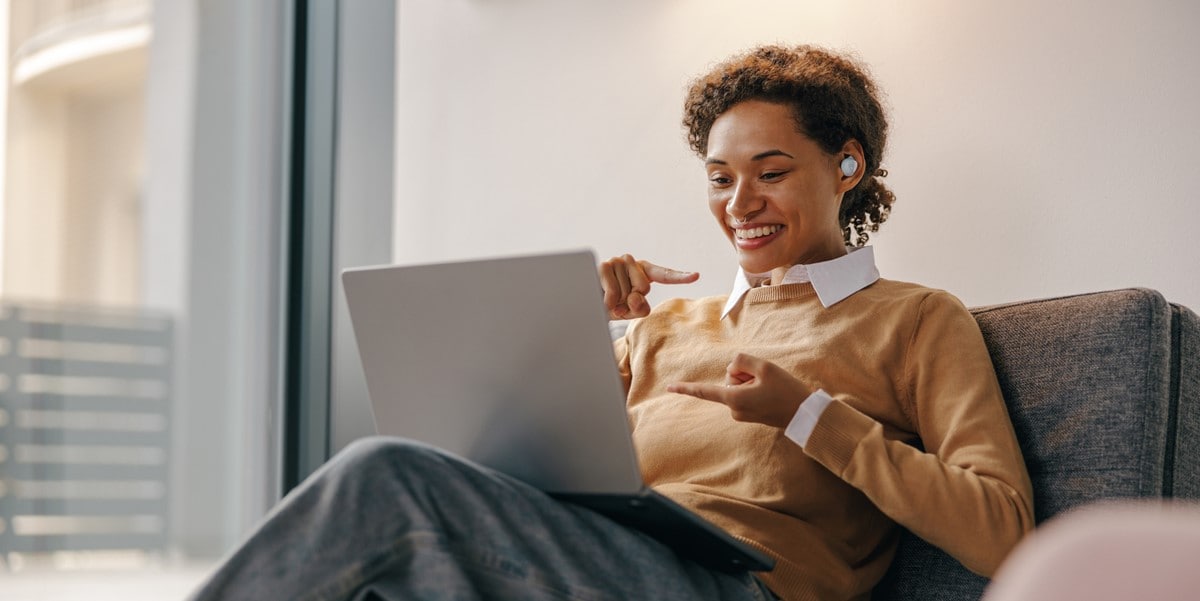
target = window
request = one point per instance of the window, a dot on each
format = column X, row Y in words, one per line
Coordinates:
column 141, row 212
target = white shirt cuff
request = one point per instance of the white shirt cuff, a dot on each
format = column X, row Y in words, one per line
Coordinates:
column 806, row 417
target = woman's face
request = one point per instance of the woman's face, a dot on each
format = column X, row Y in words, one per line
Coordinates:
column 762, row 170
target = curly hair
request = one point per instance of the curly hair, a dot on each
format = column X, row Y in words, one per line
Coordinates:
column 833, row 100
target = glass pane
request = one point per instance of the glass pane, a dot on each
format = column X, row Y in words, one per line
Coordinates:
column 105, row 442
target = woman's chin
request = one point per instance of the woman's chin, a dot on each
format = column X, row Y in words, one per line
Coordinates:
column 755, row 266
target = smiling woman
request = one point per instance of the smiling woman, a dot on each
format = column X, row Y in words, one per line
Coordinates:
column 773, row 190
column 829, row 387
column 834, row 105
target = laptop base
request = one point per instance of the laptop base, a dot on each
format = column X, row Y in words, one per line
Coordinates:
column 678, row 528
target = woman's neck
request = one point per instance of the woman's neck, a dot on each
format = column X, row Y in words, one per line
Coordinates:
column 778, row 273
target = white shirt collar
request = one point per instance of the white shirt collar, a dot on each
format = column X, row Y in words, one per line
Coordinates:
column 834, row 280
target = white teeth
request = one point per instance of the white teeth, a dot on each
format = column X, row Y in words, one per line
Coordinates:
column 757, row 232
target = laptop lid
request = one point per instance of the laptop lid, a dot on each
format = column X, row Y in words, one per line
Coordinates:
column 507, row 362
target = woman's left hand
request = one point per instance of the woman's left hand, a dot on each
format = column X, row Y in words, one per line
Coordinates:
column 755, row 390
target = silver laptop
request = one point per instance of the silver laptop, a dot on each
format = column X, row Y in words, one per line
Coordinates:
column 508, row 362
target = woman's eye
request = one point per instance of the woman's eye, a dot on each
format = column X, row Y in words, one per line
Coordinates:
column 720, row 180
column 770, row 175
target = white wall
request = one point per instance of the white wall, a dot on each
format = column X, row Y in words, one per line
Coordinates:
column 104, row 173
column 1038, row 148
column 36, row 198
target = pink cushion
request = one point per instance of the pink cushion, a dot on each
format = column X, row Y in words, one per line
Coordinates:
column 1108, row 551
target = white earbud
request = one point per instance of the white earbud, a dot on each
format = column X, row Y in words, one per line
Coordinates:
column 849, row 166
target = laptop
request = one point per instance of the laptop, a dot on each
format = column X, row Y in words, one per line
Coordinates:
column 508, row 362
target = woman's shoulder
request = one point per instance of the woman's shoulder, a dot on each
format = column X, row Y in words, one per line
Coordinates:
column 909, row 293
column 687, row 310
column 689, row 305
column 681, row 313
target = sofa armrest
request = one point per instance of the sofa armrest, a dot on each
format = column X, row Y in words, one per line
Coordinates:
column 1103, row 392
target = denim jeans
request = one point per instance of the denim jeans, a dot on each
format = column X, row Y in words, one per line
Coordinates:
column 397, row 520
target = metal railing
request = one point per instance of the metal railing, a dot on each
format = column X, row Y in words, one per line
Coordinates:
column 85, row 410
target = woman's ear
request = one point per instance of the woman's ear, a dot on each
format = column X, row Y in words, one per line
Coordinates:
column 852, row 165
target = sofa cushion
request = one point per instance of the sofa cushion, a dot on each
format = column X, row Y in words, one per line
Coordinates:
column 1185, row 380
column 1092, row 384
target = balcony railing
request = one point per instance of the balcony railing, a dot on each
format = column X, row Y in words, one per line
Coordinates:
column 38, row 25
column 85, row 408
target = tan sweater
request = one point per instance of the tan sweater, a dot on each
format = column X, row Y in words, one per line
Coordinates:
column 908, row 370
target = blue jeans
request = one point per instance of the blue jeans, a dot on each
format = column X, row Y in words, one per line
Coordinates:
column 397, row 520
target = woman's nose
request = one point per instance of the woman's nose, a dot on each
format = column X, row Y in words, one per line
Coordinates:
column 742, row 203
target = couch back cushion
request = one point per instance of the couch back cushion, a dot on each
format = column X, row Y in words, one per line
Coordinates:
column 1185, row 382
column 1089, row 385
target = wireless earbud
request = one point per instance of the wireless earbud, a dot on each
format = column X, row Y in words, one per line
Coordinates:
column 849, row 166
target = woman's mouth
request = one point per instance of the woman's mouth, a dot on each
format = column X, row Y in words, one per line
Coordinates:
column 754, row 237
column 756, row 232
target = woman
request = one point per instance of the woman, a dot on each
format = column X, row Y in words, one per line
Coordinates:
column 808, row 413
column 832, row 377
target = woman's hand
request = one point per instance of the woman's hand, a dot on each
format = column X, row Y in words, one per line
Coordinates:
column 755, row 390
column 626, row 282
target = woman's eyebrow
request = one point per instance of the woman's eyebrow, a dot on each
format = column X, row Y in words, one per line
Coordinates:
column 775, row 152
column 770, row 153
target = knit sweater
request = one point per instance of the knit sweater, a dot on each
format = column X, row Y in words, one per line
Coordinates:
column 917, row 434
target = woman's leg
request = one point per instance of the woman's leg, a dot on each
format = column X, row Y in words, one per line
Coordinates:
column 415, row 523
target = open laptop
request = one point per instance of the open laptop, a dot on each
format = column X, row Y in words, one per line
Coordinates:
column 508, row 362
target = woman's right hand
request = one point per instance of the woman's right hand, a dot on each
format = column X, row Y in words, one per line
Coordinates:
column 626, row 282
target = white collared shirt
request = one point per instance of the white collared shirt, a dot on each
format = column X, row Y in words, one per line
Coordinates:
column 834, row 281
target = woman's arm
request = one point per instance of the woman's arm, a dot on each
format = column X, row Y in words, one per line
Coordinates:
column 967, row 491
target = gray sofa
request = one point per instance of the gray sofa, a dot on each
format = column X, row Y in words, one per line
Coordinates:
column 1104, row 392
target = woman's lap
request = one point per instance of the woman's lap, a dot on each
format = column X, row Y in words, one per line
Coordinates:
column 406, row 521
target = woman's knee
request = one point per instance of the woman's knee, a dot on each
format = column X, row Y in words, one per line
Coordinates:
column 378, row 461
column 374, row 453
